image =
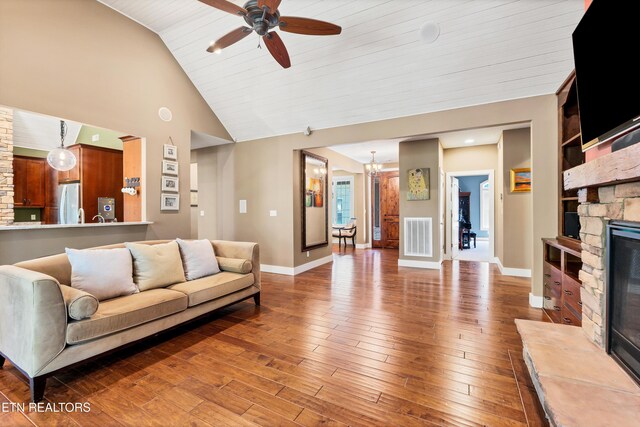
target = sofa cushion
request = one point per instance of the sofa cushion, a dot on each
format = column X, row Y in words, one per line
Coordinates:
column 198, row 258
column 156, row 266
column 213, row 287
column 80, row 304
column 104, row 273
column 235, row 265
column 126, row 312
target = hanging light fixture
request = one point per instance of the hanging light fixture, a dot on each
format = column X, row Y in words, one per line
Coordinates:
column 373, row 168
column 61, row 158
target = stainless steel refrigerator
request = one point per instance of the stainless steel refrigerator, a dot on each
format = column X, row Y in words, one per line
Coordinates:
column 70, row 209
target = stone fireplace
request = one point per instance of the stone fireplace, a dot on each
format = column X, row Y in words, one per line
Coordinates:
column 614, row 202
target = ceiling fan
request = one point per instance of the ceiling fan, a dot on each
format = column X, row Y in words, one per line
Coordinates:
column 262, row 16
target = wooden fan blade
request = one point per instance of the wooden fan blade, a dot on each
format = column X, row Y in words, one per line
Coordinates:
column 275, row 45
column 229, row 39
column 312, row 27
column 271, row 4
column 226, row 6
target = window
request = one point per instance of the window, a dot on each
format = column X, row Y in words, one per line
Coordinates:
column 485, row 205
column 342, row 199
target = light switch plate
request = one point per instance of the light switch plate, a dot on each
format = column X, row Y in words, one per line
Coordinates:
column 95, row 138
column 273, row 213
column 243, row 206
column 33, row 217
column 201, row 213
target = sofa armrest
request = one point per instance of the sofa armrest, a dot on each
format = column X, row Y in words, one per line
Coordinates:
column 33, row 318
column 242, row 250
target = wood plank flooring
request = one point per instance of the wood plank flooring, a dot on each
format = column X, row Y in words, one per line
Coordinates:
column 358, row 342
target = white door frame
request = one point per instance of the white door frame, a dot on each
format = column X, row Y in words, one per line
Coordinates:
column 490, row 173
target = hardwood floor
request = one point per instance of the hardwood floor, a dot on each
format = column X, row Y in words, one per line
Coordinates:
column 360, row 342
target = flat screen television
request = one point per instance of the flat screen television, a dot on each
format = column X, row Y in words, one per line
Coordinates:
column 605, row 45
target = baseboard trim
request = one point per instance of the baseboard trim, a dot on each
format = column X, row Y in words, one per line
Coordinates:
column 508, row 271
column 432, row 265
column 277, row 269
column 313, row 264
column 535, row 301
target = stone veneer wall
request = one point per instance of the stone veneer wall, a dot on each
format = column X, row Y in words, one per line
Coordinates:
column 616, row 202
column 6, row 166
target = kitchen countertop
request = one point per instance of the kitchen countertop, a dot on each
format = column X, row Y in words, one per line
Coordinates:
column 85, row 225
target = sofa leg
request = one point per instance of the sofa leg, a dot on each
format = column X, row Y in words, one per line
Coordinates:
column 37, row 386
column 1, row 362
column 256, row 299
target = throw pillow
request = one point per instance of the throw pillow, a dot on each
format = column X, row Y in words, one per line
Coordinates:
column 198, row 258
column 104, row 273
column 156, row 266
column 235, row 265
column 80, row 304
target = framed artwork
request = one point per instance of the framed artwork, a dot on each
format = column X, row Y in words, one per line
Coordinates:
column 418, row 180
column 170, row 183
column 194, row 198
column 521, row 180
column 314, row 195
column 170, row 152
column 169, row 202
column 169, row 167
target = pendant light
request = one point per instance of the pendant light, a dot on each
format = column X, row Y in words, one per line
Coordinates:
column 61, row 158
column 373, row 168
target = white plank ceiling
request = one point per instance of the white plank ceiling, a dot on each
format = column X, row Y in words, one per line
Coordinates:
column 378, row 68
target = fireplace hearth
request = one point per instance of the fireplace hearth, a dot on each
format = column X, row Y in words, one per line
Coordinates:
column 623, row 295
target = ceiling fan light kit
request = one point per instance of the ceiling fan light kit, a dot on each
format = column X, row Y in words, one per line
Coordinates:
column 261, row 17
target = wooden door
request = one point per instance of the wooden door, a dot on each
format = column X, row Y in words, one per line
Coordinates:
column 35, row 183
column 388, row 204
column 455, row 217
column 19, row 181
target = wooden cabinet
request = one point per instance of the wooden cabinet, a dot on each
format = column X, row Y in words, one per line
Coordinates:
column 561, row 290
column 99, row 172
column 29, row 182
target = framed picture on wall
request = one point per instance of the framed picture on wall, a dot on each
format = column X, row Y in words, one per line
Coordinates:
column 170, row 152
column 170, row 183
column 521, row 180
column 169, row 167
column 418, row 180
column 169, row 202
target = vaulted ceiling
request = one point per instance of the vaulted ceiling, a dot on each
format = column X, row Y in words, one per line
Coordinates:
column 378, row 68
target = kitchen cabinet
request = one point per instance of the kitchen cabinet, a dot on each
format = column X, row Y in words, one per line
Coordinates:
column 98, row 170
column 29, row 182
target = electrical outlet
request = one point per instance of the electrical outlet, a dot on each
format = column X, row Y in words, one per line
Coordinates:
column 33, row 217
column 308, row 254
column 273, row 213
column 201, row 213
column 95, row 138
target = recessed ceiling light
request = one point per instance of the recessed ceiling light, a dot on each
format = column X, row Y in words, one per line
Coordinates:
column 469, row 141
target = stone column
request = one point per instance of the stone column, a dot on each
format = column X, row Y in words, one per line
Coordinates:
column 6, row 166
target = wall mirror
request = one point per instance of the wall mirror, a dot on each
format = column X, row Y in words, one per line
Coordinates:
column 315, row 213
column 90, row 189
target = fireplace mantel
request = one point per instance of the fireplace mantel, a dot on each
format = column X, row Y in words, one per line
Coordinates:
column 613, row 168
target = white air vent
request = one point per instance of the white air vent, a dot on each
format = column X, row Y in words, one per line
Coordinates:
column 418, row 237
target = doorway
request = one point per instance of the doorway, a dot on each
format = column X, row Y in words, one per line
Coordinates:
column 470, row 215
column 385, row 205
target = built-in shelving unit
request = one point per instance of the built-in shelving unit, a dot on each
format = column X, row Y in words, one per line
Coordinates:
column 570, row 146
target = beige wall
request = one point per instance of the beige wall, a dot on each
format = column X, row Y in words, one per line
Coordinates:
column 413, row 155
column 55, row 63
column 215, row 192
column 499, row 205
column 517, row 209
column 275, row 234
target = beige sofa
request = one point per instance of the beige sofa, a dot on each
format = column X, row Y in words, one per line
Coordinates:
column 39, row 338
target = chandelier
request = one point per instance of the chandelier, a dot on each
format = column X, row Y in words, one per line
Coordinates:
column 372, row 167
